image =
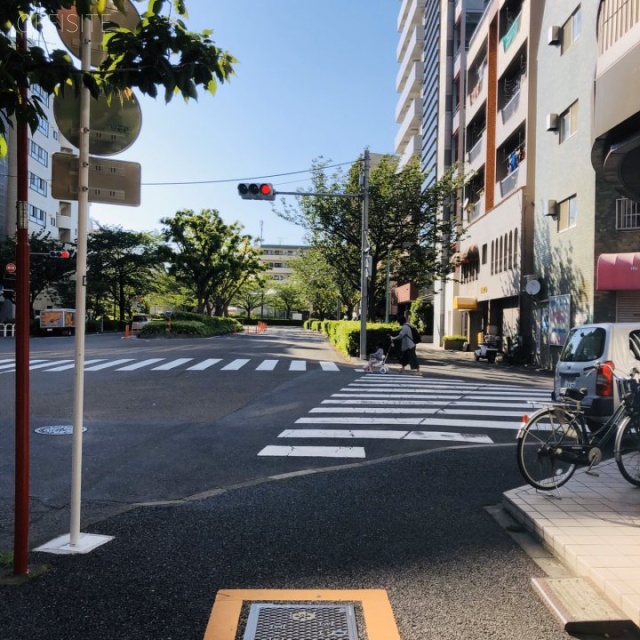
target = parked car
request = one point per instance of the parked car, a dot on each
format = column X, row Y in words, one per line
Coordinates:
column 617, row 344
column 138, row 321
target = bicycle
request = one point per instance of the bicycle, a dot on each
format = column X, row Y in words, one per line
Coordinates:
column 556, row 440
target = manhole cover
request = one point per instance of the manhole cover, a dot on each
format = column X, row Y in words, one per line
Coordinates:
column 57, row 430
column 301, row 621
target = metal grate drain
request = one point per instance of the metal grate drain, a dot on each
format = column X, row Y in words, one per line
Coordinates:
column 301, row 622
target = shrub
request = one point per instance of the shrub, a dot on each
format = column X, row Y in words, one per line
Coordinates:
column 191, row 324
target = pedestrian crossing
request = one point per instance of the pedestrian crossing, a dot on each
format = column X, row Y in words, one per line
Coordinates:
column 405, row 407
column 178, row 364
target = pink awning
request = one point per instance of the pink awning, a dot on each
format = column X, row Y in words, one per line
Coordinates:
column 618, row 272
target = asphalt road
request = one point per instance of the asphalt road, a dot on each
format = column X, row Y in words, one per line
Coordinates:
column 409, row 519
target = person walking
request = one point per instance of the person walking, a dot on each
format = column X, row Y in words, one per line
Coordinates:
column 407, row 347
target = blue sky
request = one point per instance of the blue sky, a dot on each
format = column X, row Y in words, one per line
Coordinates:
column 313, row 79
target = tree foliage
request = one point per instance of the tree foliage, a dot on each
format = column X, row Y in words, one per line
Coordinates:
column 160, row 52
column 405, row 223
column 121, row 265
column 286, row 297
column 250, row 296
column 317, row 281
column 213, row 259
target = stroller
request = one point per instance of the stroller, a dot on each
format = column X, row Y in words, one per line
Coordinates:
column 374, row 363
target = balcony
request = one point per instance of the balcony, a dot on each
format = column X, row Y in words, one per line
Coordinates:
column 511, row 107
column 64, row 222
column 475, row 155
column 475, row 209
column 509, row 38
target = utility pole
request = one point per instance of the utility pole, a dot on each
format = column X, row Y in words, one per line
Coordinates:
column 22, row 294
column 364, row 297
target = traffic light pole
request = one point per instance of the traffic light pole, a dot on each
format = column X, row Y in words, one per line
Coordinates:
column 364, row 293
column 265, row 191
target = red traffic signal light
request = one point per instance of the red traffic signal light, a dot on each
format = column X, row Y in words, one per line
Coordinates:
column 255, row 191
column 59, row 254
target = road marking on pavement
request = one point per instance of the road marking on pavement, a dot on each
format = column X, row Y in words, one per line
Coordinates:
column 106, row 365
column 12, row 364
column 139, row 365
column 328, row 366
column 344, row 433
column 45, row 364
column 298, row 365
column 267, row 365
column 71, row 366
column 172, row 365
column 235, row 364
column 224, row 621
column 313, row 452
column 205, row 364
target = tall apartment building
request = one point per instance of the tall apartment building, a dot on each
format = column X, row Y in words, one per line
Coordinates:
column 58, row 218
column 409, row 79
column 54, row 217
column 549, row 212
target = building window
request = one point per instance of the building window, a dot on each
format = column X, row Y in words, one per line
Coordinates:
column 39, row 154
column 568, row 122
column 571, row 29
column 43, row 127
column 52, row 221
column 484, row 254
column 568, row 213
column 37, row 90
column 627, row 214
column 37, row 184
column 37, row 215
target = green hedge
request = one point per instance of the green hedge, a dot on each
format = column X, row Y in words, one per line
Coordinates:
column 345, row 334
column 270, row 322
column 191, row 324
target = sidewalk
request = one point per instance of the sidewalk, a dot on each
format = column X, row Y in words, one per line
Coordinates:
column 592, row 524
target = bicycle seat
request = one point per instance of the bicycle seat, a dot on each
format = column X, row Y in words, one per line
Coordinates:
column 574, row 394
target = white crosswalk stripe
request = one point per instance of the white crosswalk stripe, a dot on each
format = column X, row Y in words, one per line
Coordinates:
column 410, row 408
column 124, row 365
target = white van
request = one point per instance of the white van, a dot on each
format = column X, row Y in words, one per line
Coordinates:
column 617, row 344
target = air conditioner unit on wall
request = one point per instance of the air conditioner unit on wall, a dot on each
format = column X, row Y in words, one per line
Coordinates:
column 551, row 208
column 552, row 122
column 555, row 35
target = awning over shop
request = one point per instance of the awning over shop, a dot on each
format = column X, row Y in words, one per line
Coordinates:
column 618, row 272
column 465, row 304
column 470, row 254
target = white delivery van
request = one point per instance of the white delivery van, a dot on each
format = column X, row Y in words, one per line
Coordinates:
column 616, row 344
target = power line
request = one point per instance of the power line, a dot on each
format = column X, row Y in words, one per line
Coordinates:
column 273, row 175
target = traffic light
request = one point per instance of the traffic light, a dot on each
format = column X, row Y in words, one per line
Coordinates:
column 254, row 191
column 59, row 254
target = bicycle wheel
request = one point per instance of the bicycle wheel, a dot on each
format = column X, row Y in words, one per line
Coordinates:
column 538, row 443
column 627, row 451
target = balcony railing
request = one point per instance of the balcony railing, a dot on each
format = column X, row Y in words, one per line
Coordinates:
column 474, row 152
column 509, row 183
column 510, row 36
column 475, row 209
column 510, row 108
column 627, row 214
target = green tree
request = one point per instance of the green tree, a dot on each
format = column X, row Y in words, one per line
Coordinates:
column 405, row 222
column 213, row 259
column 317, row 282
column 250, row 296
column 120, row 266
column 285, row 296
column 160, row 52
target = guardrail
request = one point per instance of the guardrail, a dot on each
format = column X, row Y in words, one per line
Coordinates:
column 7, row 329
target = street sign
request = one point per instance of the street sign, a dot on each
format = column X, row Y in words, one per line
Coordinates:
column 10, row 267
column 110, row 181
column 113, row 125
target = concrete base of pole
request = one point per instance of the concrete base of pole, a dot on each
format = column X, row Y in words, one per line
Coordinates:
column 62, row 544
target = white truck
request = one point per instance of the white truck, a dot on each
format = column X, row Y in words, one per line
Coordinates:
column 58, row 321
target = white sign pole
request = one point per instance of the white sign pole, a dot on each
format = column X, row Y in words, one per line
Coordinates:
column 77, row 542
